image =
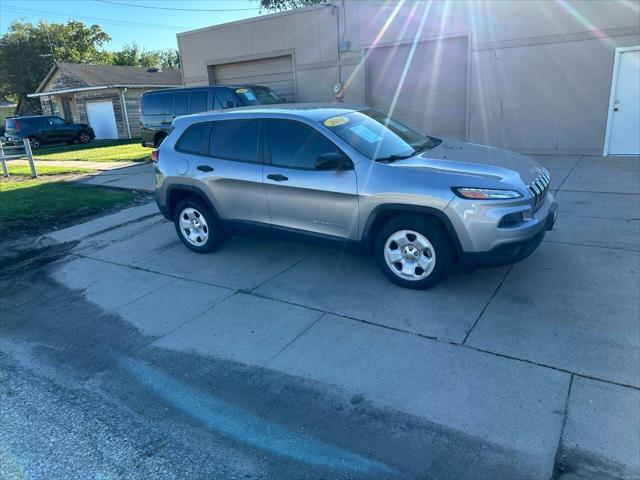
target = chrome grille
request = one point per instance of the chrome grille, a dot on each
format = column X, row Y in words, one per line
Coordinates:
column 540, row 187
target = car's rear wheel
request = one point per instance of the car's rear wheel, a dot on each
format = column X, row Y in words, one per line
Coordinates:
column 197, row 227
column 34, row 142
column 84, row 137
column 413, row 251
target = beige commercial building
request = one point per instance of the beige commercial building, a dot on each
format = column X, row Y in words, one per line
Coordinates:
column 534, row 76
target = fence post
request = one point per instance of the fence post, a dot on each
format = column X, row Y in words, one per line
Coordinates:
column 32, row 165
column 5, row 171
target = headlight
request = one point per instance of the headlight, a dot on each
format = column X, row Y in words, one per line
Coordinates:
column 485, row 193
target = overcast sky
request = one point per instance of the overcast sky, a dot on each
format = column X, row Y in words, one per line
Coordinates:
column 152, row 27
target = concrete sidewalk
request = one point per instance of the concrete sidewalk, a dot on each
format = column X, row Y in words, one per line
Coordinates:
column 135, row 177
column 530, row 369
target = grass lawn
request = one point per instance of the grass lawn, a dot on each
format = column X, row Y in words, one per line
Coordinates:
column 97, row 151
column 34, row 206
column 45, row 170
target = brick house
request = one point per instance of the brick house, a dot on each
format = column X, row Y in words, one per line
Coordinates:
column 107, row 97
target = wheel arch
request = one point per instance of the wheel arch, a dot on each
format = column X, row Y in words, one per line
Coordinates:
column 178, row 192
column 383, row 213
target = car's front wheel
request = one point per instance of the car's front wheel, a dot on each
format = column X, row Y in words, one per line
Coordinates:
column 197, row 227
column 413, row 251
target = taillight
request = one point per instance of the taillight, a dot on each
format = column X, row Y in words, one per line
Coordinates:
column 154, row 155
column 16, row 125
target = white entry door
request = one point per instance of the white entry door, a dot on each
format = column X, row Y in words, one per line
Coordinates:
column 623, row 128
column 102, row 119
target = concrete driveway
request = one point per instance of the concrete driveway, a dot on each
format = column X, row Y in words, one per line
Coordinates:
column 271, row 359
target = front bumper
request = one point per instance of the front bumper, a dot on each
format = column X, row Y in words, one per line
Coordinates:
column 510, row 252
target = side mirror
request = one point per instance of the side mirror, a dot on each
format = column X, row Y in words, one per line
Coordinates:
column 229, row 104
column 332, row 161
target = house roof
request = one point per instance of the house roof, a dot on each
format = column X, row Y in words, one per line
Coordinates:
column 116, row 75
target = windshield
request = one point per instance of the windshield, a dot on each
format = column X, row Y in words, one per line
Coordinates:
column 258, row 96
column 377, row 136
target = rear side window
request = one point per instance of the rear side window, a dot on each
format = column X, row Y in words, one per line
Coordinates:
column 295, row 145
column 181, row 103
column 198, row 101
column 157, row 104
column 195, row 139
column 35, row 122
column 235, row 140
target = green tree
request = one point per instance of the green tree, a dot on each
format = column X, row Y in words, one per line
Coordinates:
column 132, row 54
column 281, row 5
column 28, row 51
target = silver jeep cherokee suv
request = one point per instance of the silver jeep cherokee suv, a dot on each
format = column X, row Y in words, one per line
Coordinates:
column 352, row 174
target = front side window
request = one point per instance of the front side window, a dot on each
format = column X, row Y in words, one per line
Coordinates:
column 198, row 101
column 195, row 139
column 235, row 140
column 377, row 136
column 296, row 145
column 266, row 96
column 226, row 98
column 57, row 121
column 157, row 104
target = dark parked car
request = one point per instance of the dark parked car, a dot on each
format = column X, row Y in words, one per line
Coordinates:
column 158, row 108
column 41, row 129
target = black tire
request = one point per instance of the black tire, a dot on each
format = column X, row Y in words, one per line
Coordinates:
column 84, row 137
column 34, row 142
column 214, row 233
column 158, row 140
column 436, row 235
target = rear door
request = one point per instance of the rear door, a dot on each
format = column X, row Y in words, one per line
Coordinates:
column 299, row 196
column 231, row 173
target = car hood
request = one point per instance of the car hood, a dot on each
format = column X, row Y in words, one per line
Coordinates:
column 478, row 160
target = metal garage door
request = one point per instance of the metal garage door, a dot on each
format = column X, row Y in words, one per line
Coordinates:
column 102, row 119
column 276, row 73
column 433, row 97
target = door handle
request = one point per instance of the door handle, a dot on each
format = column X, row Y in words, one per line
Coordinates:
column 277, row 177
column 205, row 168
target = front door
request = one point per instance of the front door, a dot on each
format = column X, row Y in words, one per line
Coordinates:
column 60, row 130
column 231, row 171
column 624, row 108
column 299, row 196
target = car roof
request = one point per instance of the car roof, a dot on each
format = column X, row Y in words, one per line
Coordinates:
column 199, row 87
column 311, row 111
column 31, row 116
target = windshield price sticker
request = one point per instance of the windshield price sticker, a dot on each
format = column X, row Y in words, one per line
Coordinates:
column 335, row 121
